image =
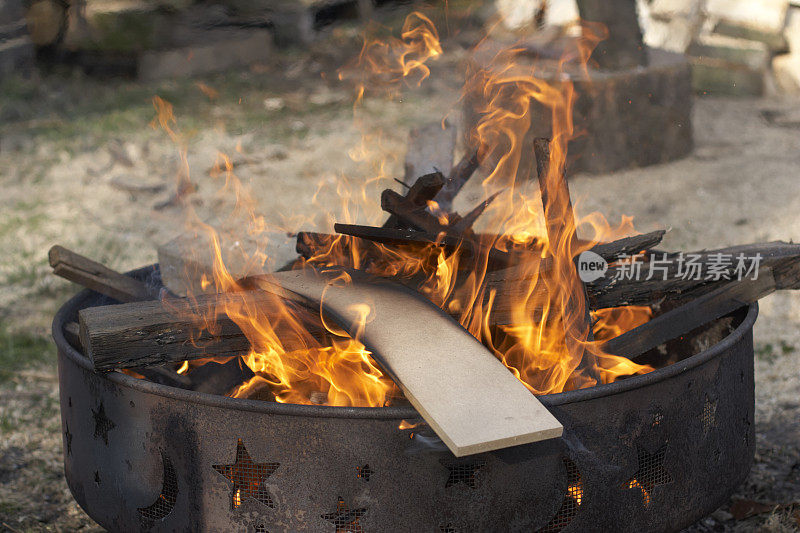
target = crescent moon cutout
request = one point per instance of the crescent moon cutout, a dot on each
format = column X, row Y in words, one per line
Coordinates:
column 573, row 499
column 165, row 502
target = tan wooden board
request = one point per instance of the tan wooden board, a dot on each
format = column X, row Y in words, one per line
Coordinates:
column 469, row 398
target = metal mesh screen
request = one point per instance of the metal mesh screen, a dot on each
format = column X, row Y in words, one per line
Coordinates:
column 345, row 520
column 709, row 415
column 573, row 499
column 465, row 472
column 169, row 494
column 364, row 472
column 247, row 477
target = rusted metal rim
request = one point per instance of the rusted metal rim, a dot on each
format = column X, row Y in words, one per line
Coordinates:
column 320, row 411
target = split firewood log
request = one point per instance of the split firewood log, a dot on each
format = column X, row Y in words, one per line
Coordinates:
column 99, row 278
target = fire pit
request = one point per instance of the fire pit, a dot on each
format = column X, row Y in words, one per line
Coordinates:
column 654, row 452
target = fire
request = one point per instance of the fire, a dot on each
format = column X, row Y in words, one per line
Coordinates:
column 388, row 64
column 575, row 491
column 543, row 343
column 634, row 484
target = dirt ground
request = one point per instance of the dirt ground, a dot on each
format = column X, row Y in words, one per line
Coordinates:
column 80, row 166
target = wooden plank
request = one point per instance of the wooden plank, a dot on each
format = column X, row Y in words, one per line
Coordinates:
column 470, row 246
column 99, row 278
column 612, row 251
column 692, row 315
column 140, row 334
column 473, row 402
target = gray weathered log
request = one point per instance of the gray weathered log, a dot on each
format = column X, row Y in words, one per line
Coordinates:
column 140, row 334
column 614, row 290
column 99, row 278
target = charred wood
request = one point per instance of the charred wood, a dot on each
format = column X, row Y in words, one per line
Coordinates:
column 419, row 194
column 619, row 287
column 683, row 319
column 559, row 221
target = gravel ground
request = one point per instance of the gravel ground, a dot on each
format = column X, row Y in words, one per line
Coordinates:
column 80, row 167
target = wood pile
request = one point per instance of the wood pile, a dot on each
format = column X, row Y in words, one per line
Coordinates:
column 413, row 340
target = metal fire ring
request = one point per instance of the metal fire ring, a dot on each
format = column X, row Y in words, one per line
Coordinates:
column 649, row 453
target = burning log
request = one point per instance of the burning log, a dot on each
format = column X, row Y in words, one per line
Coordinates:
column 627, row 246
column 220, row 378
column 504, row 283
column 698, row 312
column 419, row 194
column 470, row 246
column 410, row 213
column 165, row 375
column 560, row 223
column 621, row 287
column 140, row 334
column 609, row 251
column 99, row 278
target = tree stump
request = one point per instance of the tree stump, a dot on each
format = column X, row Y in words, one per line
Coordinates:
column 628, row 118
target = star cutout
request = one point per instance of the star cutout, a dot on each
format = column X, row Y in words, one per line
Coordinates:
column 68, row 440
column 650, row 474
column 345, row 519
column 709, row 416
column 363, row 472
column 463, row 472
column 247, row 477
column 102, row 424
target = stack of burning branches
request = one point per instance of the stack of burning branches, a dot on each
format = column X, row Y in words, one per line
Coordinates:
column 559, row 312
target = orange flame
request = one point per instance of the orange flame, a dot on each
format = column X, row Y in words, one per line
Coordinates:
column 538, row 298
column 387, row 64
